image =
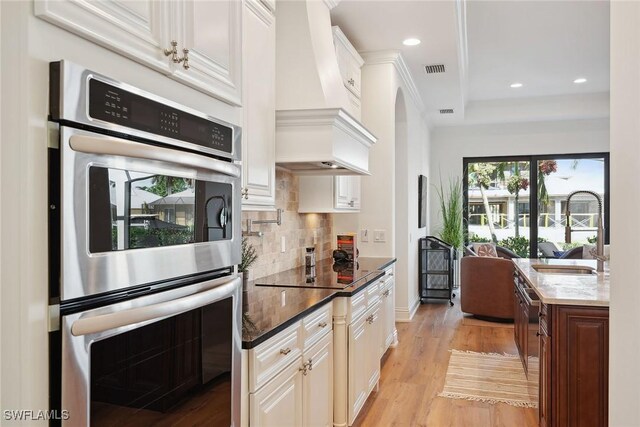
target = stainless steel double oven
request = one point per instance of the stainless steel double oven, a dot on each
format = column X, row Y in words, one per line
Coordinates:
column 144, row 238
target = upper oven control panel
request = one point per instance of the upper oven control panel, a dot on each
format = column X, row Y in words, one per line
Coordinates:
column 115, row 105
column 80, row 97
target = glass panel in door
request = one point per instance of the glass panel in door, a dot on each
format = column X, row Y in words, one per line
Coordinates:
column 498, row 204
column 175, row 372
column 134, row 210
column 557, row 178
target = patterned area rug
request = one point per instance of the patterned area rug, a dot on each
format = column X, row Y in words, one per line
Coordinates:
column 491, row 378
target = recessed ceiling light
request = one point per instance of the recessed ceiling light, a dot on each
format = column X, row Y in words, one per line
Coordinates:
column 515, row 85
column 580, row 80
column 411, row 42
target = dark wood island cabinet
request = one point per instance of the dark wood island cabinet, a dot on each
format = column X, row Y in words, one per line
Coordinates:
column 574, row 365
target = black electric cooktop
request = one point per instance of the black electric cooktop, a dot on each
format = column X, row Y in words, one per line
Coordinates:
column 326, row 275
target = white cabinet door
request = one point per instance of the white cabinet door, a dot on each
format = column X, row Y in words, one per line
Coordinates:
column 317, row 408
column 279, row 402
column 139, row 30
column 359, row 366
column 355, row 191
column 343, row 192
column 372, row 360
column 388, row 316
column 347, row 192
column 259, row 101
column 212, row 31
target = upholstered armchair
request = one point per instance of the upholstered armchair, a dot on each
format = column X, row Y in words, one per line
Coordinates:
column 486, row 287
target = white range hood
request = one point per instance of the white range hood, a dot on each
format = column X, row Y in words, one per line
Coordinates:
column 314, row 134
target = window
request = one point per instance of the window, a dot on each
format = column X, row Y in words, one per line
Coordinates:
column 526, row 199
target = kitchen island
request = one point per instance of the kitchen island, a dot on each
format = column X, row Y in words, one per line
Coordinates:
column 312, row 343
column 573, row 333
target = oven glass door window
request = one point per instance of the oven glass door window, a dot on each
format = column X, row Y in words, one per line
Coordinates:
column 173, row 372
column 133, row 210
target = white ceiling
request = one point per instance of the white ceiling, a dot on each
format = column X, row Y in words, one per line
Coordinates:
column 486, row 46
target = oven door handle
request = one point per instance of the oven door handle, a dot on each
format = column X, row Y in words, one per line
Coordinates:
column 159, row 311
column 113, row 146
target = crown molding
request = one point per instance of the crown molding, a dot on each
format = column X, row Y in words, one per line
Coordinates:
column 331, row 3
column 395, row 57
column 463, row 49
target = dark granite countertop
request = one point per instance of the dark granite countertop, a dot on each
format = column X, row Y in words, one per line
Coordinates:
column 265, row 314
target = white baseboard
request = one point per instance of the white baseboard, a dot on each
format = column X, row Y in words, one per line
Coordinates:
column 404, row 314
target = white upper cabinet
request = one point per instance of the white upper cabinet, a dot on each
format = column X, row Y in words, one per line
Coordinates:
column 259, row 100
column 350, row 64
column 143, row 31
column 212, row 32
column 329, row 194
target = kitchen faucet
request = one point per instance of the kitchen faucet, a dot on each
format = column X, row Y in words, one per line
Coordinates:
column 600, row 230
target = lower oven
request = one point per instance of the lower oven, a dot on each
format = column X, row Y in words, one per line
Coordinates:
column 170, row 358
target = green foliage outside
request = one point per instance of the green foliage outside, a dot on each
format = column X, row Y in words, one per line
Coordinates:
column 162, row 184
column 474, row 238
column 139, row 237
column 519, row 245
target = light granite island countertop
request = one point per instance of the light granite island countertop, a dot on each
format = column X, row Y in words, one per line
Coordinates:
column 566, row 289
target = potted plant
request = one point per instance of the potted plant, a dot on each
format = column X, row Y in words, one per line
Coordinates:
column 451, row 215
column 249, row 256
column 452, row 231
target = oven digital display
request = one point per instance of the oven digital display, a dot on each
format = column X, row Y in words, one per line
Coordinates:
column 118, row 106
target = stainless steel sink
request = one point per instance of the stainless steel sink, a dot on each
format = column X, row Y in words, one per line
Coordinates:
column 563, row 269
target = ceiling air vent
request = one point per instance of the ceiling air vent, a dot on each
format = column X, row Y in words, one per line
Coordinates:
column 432, row 69
column 446, row 111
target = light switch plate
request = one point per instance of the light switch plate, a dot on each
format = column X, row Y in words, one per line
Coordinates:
column 315, row 237
column 364, row 235
column 283, row 246
column 379, row 236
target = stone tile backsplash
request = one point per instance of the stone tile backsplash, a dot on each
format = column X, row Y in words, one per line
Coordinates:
column 297, row 229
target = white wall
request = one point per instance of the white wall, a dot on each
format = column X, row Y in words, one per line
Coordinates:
column 449, row 145
column 624, row 369
column 380, row 209
column 28, row 44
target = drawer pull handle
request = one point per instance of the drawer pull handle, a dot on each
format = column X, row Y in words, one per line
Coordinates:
column 370, row 319
column 285, row 351
column 541, row 315
column 322, row 324
column 386, row 293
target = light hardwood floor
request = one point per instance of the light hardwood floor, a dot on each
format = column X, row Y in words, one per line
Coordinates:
column 413, row 374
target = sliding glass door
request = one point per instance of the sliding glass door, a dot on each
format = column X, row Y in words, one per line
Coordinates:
column 520, row 202
column 498, row 203
column 558, row 177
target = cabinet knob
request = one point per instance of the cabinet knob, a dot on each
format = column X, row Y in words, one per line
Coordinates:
column 173, row 52
column 310, row 364
column 537, row 334
column 322, row 324
column 285, row 351
column 352, row 203
column 185, row 59
column 352, row 82
column 370, row 319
